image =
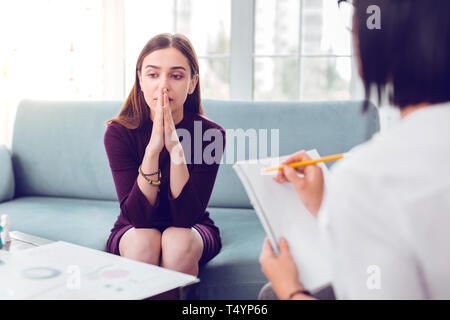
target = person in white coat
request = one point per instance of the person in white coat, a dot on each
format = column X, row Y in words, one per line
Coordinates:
column 385, row 211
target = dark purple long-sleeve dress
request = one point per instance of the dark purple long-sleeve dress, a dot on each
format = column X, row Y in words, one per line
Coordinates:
column 125, row 149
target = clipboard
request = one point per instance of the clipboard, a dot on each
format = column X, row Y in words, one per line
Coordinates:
column 282, row 213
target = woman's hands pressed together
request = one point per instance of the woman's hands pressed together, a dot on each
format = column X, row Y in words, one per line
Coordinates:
column 164, row 132
column 170, row 134
column 156, row 143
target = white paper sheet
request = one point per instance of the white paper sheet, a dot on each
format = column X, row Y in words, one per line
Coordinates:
column 282, row 213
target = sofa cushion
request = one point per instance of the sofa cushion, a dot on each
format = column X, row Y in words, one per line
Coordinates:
column 80, row 221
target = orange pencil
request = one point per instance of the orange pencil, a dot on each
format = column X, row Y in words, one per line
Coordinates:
column 305, row 163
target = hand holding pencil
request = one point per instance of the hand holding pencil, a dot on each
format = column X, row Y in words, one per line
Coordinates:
column 309, row 187
column 306, row 162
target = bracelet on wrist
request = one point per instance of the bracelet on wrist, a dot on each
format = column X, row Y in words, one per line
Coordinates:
column 158, row 172
column 151, row 182
column 300, row 291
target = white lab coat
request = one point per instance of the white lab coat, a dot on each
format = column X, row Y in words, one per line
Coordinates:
column 386, row 212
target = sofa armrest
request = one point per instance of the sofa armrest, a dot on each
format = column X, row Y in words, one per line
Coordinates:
column 6, row 175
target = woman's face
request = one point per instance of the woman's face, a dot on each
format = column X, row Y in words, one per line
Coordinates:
column 167, row 69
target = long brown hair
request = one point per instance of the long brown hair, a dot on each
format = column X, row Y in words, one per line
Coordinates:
column 135, row 111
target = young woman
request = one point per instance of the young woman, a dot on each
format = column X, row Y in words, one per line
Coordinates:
column 386, row 209
column 164, row 184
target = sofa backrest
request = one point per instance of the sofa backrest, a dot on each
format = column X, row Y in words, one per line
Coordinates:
column 58, row 150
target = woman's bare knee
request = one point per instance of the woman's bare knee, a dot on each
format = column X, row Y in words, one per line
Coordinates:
column 181, row 249
column 141, row 244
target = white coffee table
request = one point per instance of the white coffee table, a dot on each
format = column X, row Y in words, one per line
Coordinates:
column 185, row 287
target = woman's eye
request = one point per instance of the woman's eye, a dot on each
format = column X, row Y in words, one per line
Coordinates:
column 177, row 76
column 152, row 75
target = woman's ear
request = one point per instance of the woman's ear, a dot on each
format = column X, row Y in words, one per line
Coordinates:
column 193, row 84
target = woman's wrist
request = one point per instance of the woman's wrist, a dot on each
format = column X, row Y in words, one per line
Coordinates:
column 150, row 163
column 151, row 155
column 295, row 291
column 177, row 154
column 302, row 295
column 171, row 147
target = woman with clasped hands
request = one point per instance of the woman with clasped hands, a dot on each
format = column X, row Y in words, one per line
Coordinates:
column 385, row 211
column 164, row 184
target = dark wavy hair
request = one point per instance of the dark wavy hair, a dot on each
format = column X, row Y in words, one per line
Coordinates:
column 135, row 110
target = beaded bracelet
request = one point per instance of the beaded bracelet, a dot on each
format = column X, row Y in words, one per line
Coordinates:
column 150, row 174
column 151, row 182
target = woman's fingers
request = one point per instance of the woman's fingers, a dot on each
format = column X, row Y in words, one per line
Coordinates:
column 167, row 112
column 296, row 157
column 159, row 105
column 158, row 123
column 169, row 125
column 161, row 98
column 159, row 115
column 310, row 172
column 283, row 245
column 292, row 176
column 280, row 177
column 267, row 251
column 166, row 99
column 313, row 172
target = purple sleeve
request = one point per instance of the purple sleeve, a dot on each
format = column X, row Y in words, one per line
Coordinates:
column 186, row 209
column 134, row 206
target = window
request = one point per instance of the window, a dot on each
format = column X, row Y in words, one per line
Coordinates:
column 247, row 49
column 252, row 49
column 49, row 50
column 302, row 52
column 205, row 22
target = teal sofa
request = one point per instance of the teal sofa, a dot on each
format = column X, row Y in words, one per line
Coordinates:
column 55, row 182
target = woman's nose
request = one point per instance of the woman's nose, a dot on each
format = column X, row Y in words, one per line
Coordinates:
column 164, row 83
